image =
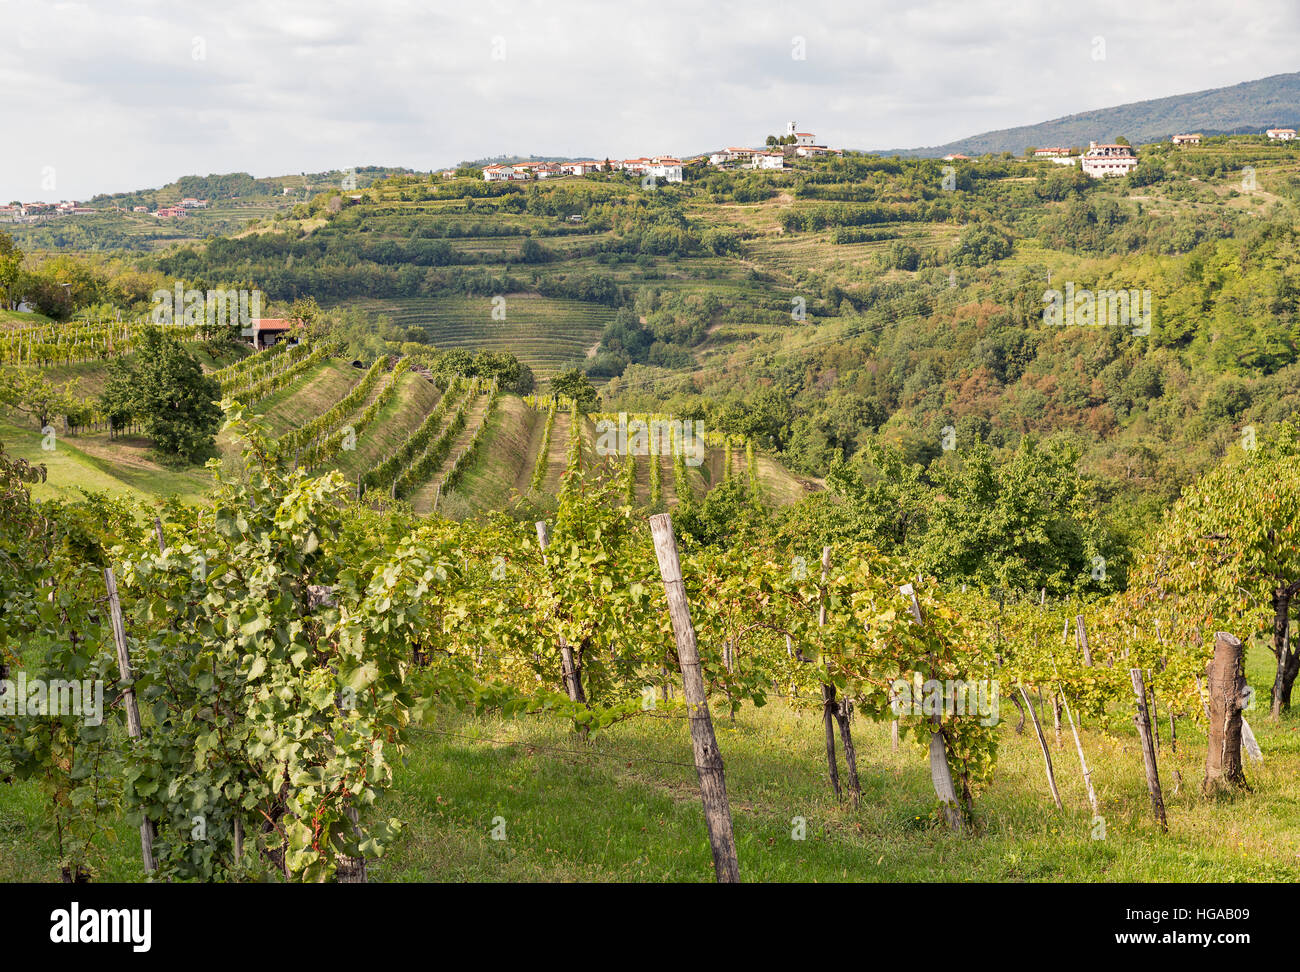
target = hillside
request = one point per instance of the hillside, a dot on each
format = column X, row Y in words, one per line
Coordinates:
column 1249, row 107
column 234, row 201
column 824, row 312
column 501, row 438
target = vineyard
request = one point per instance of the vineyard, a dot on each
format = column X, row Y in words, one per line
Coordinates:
column 544, row 333
column 76, row 342
column 478, row 651
column 391, row 430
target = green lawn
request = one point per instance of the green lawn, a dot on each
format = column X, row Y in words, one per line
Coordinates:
column 626, row 807
column 122, row 467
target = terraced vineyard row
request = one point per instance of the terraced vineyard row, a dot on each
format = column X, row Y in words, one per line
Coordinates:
column 545, row 333
column 344, row 437
column 387, row 473
column 328, row 421
column 660, row 467
column 470, row 449
column 282, row 371
column 75, row 342
column 417, row 477
column 244, row 366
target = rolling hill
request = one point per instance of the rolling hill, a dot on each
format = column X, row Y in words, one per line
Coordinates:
column 1249, row 107
column 501, row 437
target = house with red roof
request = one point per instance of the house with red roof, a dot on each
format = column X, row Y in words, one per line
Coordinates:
column 266, row 331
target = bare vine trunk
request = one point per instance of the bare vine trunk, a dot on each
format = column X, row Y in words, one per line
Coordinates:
column 1227, row 687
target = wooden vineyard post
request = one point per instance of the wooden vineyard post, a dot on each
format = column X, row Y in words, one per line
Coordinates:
column 1081, row 635
column 1083, row 763
column 128, row 700
column 844, row 716
column 940, row 771
column 1227, row 688
column 708, row 760
column 572, row 677
column 840, row 711
column 1042, row 743
column 158, row 532
column 828, row 690
column 1056, row 717
column 1143, row 720
column 1155, row 712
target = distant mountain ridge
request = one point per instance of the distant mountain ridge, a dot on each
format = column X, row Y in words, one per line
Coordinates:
column 1252, row 106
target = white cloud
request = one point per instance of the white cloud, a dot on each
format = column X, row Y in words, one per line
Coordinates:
column 114, row 96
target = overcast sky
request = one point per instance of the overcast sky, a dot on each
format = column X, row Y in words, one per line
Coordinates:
column 113, row 95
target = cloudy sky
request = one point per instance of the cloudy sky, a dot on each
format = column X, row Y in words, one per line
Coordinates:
column 112, row 95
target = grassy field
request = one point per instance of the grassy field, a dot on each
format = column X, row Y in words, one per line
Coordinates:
column 625, row 807
column 125, row 466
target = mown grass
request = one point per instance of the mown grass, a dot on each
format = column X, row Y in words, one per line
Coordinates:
column 626, row 807
column 608, row 812
column 125, row 466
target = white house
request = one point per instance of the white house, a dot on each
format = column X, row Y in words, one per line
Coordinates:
column 665, row 167
column 768, row 160
column 732, row 154
column 1281, row 134
column 1193, row 139
column 496, row 173
column 1051, row 153
column 1103, row 161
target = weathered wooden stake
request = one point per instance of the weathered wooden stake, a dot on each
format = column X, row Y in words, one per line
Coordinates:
column 1143, row 720
column 828, row 690
column 1155, row 712
column 1042, row 744
column 708, row 760
column 158, row 532
column 1081, row 634
column 128, row 699
column 1083, row 763
column 836, row 711
column 569, row 671
column 1056, row 718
